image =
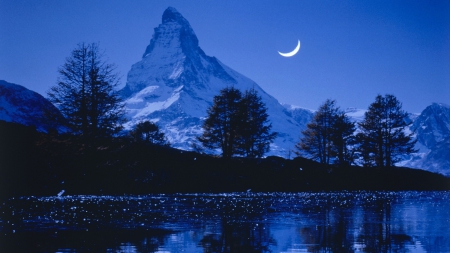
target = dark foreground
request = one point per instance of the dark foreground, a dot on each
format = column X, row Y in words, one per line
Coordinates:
column 39, row 164
column 229, row 222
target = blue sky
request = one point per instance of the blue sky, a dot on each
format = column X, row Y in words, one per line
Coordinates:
column 350, row 50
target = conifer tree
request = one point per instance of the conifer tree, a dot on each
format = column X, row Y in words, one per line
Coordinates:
column 149, row 132
column 382, row 140
column 343, row 139
column 237, row 124
column 328, row 136
column 220, row 128
column 317, row 137
column 86, row 96
column 254, row 127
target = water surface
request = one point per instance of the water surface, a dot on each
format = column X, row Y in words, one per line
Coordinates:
column 239, row 222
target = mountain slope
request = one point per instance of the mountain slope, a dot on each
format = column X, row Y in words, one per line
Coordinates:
column 433, row 125
column 21, row 105
column 175, row 82
column 432, row 129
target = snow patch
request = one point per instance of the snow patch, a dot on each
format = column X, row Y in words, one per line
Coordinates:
column 151, row 107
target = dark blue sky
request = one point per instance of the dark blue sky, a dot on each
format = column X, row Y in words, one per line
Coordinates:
column 350, row 50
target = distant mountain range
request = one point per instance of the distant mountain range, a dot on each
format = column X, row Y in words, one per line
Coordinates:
column 174, row 84
column 432, row 129
column 21, row 105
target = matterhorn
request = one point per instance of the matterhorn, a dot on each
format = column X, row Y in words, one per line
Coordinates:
column 175, row 82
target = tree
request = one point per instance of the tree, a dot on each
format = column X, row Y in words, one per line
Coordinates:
column 238, row 124
column 149, row 132
column 328, row 136
column 382, row 140
column 254, row 127
column 220, row 128
column 86, row 96
column 343, row 139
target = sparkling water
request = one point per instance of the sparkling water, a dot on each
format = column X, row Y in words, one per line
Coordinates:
column 229, row 222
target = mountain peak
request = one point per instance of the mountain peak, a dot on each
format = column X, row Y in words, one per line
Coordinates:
column 440, row 105
column 175, row 82
column 172, row 15
column 433, row 124
column 174, row 32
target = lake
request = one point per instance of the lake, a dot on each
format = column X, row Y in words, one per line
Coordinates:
column 229, row 222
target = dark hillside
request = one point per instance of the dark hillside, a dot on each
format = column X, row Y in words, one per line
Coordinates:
column 17, row 154
column 35, row 163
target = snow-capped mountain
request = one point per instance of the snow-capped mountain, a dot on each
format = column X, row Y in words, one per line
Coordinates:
column 175, row 82
column 432, row 129
column 21, row 105
column 433, row 125
column 357, row 115
column 301, row 115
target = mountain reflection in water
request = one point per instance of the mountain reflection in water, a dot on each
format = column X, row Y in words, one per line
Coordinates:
column 239, row 222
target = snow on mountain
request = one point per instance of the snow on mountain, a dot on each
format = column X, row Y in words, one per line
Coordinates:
column 21, row 105
column 355, row 114
column 301, row 115
column 432, row 130
column 175, row 82
column 433, row 125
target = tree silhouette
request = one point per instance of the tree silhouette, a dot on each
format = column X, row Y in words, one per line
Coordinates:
column 343, row 139
column 86, row 96
column 220, row 128
column 149, row 132
column 382, row 140
column 237, row 124
column 328, row 136
column 254, row 128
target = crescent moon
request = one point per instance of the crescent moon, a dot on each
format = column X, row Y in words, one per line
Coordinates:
column 292, row 53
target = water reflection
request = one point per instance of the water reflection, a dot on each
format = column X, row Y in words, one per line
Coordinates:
column 246, row 222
